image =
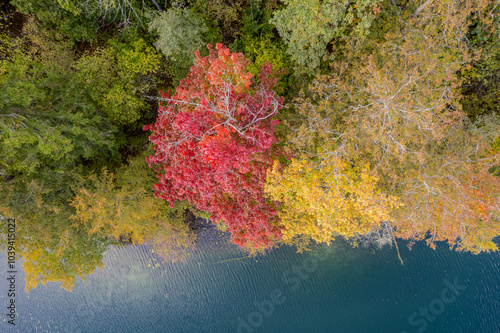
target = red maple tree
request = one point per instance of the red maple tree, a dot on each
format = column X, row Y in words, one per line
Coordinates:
column 214, row 144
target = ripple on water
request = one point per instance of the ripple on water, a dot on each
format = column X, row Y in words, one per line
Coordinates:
column 328, row 289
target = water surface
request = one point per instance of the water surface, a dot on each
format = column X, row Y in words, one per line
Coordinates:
column 218, row 289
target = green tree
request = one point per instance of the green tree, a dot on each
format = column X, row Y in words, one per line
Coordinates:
column 180, row 33
column 63, row 15
column 225, row 14
column 46, row 119
column 118, row 77
column 49, row 128
column 308, row 26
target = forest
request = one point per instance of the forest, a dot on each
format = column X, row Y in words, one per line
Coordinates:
column 286, row 123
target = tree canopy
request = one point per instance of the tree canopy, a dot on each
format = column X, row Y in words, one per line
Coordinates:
column 369, row 120
column 213, row 144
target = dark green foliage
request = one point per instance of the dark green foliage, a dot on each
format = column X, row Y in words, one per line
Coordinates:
column 50, row 129
column 259, row 41
column 87, row 20
column 482, row 92
column 65, row 19
column 481, row 85
column 47, row 119
column 226, row 14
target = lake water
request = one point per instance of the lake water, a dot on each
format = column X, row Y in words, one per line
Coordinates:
column 217, row 289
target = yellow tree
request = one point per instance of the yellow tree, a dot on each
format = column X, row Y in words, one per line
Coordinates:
column 393, row 117
column 52, row 250
column 124, row 208
column 327, row 198
column 69, row 254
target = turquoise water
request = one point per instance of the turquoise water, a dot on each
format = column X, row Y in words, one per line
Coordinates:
column 217, row 289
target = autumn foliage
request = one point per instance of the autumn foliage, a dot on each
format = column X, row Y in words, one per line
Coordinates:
column 327, row 199
column 214, row 144
column 384, row 141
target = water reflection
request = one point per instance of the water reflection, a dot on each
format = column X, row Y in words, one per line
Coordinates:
column 55, row 251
